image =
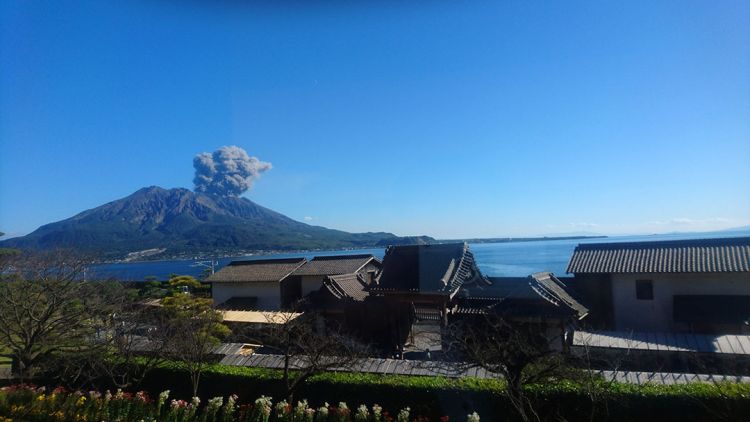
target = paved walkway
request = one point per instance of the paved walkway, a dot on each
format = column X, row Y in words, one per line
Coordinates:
column 726, row 344
column 635, row 377
column 433, row 368
column 367, row 365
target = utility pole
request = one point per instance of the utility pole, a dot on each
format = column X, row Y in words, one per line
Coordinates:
column 207, row 264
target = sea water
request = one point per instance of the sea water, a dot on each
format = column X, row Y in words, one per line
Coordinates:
column 507, row 259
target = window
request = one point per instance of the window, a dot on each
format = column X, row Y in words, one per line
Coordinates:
column 644, row 289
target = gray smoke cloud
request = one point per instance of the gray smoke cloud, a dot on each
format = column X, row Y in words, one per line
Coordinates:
column 228, row 171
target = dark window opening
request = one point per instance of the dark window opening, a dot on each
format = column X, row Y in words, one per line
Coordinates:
column 644, row 290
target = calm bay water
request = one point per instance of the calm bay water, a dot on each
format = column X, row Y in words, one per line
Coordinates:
column 511, row 259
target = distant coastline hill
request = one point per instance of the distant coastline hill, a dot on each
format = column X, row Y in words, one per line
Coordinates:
column 173, row 222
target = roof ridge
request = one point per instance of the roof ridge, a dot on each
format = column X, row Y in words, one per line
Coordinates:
column 335, row 257
column 266, row 261
column 689, row 255
column 657, row 244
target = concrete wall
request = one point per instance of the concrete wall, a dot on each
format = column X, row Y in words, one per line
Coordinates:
column 631, row 313
column 268, row 293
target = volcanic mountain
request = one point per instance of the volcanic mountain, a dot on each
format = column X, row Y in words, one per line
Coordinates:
column 180, row 221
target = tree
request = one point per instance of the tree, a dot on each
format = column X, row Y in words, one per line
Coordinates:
column 134, row 340
column 518, row 352
column 197, row 329
column 152, row 289
column 308, row 346
column 6, row 253
column 46, row 308
column 184, row 281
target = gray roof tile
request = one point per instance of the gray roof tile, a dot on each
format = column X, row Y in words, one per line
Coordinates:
column 261, row 270
column 674, row 256
column 336, row 264
column 346, row 286
column 427, row 268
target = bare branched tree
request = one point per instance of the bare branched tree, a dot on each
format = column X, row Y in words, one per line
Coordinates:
column 47, row 308
column 194, row 330
column 586, row 371
column 520, row 353
column 131, row 342
column 308, row 346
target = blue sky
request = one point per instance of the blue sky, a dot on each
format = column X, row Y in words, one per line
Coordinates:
column 446, row 118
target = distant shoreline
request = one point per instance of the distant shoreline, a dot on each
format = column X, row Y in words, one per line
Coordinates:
column 521, row 239
column 241, row 253
column 226, row 254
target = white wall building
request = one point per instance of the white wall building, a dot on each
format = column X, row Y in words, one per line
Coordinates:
column 255, row 283
column 274, row 284
column 700, row 286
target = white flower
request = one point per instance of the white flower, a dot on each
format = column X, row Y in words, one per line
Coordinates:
column 299, row 410
column 230, row 404
column 363, row 414
column 474, row 417
column 214, row 404
column 322, row 413
column 377, row 412
column 403, row 415
column 163, row 396
column 264, row 403
column 281, row 408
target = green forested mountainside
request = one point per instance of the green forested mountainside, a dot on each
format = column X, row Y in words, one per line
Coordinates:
column 183, row 221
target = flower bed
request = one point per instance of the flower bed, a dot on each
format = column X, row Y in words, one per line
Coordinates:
column 32, row 404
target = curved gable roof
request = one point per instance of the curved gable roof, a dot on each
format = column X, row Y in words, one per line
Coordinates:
column 437, row 268
column 346, row 286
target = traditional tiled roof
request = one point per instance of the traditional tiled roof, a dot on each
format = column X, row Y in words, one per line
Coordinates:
column 554, row 291
column 674, row 256
column 437, row 268
column 501, row 287
column 335, row 264
column 538, row 295
column 261, row 270
column 346, row 286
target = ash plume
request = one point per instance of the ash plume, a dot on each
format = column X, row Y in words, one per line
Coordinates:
column 228, row 171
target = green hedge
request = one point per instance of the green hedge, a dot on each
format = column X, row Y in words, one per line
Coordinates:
column 437, row 396
column 431, row 396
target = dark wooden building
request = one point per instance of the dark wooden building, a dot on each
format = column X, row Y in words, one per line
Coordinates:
column 409, row 302
column 540, row 300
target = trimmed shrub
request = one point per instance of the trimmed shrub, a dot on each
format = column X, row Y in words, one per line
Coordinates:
column 434, row 397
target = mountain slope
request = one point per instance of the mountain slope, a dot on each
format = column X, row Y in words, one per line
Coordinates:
column 183, row 221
